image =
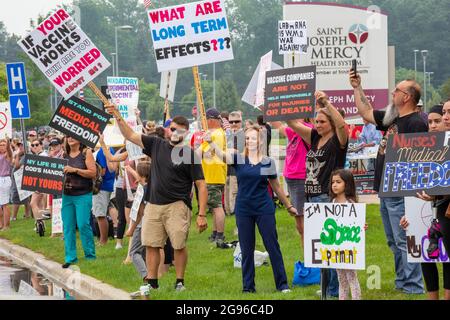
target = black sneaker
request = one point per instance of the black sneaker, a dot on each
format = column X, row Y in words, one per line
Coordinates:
column 212, row 238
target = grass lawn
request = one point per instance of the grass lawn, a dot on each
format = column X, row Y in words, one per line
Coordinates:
column 210, row 273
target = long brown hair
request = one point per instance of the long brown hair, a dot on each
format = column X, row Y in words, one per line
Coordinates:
column 67, row 146
column 259, row 130
column 327, row 114
column 350, row 186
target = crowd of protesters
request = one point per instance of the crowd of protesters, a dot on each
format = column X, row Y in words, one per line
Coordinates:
column 229, row 169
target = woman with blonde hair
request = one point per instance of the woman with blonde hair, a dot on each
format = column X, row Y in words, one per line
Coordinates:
column 254, row 206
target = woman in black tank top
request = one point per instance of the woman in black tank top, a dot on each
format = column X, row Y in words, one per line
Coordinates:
column 77, row 200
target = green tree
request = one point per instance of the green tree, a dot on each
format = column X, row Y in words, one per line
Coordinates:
column 445, row 89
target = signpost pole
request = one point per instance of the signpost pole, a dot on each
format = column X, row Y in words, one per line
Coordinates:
column 201, row 105
column 24, row 135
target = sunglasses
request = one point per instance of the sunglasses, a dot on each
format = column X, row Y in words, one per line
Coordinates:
column 179, row 130
column 35, row 145
column 235, row 121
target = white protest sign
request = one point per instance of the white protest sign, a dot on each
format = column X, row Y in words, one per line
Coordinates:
column 250, row 93
column 5, row 120
column 57, row 223
column 136, row 202
column 27, row 290
column 190, row 34
column 135, row 151
column 420, row 215
column 112, row 136
column 23, row 194
column 292, row 36
column 124, row 94
column 64, row 53
column 335, row 236
column 168, row 84
column 264, row 66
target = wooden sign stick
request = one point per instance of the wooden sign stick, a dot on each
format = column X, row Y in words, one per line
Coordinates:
column 201, row 106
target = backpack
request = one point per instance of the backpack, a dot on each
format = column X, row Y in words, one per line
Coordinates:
column 98, row 179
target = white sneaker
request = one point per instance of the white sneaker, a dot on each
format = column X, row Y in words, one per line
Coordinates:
column 118, row 246
column 286, row 291
column 180, row 287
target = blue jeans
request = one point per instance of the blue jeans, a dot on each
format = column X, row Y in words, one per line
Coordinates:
column 76, row 210
column 268, row 230
column 329, row 278
column 408, row 275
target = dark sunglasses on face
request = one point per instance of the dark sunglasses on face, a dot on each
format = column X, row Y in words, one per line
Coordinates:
column 35, row 145
column 235, row 121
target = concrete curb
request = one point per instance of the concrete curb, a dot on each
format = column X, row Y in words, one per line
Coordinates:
column 77, row 284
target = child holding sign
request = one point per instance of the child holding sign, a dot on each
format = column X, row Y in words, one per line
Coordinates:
column 343, row 190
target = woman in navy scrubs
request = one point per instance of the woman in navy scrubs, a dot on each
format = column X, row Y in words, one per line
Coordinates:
column 254, row 206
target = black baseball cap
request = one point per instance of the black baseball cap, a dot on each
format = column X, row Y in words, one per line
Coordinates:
column 212, row 113
column 55, row 141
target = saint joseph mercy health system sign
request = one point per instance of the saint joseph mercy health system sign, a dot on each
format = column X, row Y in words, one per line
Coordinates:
column 347, row 33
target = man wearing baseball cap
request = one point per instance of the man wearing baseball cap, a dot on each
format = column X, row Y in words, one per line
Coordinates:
column 215, row 171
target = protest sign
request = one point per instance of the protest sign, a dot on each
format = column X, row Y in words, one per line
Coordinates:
column 23, row 194
column 335, row 236
column 135, row 151
column 124, row 93
column 250, row 93
column 265, row 65
column 420, row 215
column 43, row 174
column 64, row 53
column 292, row 36
column 416, row 162
column 5, row 120
column 136, row 202
column 189, row 35
column 57, row 223
column 168, row 84
column 112, row 136
column 80, row 120
column 289, row 94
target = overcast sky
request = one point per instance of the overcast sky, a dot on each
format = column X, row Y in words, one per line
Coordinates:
column 16, row 14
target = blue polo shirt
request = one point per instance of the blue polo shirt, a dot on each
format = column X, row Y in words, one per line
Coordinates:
column 253, row 197
column 108, row 178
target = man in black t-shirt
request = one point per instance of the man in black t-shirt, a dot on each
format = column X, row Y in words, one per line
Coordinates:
column 400, row 117
column 174, row 168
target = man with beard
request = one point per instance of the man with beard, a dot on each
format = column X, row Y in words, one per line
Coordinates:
column 400, row 117
column 174, row 167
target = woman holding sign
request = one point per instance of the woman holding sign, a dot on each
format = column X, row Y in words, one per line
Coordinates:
column 5, row 182
column 437, row 122
column 77, row 200
column 329, row 142
column 254, row 206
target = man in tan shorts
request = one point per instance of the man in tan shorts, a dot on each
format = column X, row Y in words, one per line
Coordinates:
column 174, row 169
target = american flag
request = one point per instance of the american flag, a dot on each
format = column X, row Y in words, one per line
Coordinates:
column 147, row 3
column 81, row 94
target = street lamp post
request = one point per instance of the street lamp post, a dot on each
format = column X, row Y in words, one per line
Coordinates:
column 113, row 56
column 424, row 56
column 415, row 64
column 117, row 50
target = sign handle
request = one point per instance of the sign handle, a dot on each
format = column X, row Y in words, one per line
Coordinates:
column 97, row 92
column 201, row 105
column 166, row 100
